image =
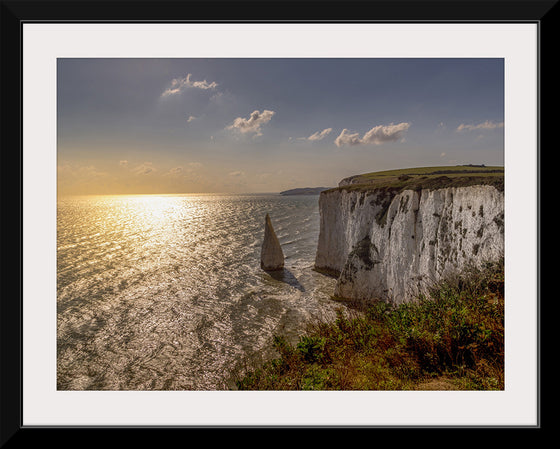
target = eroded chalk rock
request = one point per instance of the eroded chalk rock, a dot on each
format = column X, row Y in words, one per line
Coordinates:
column 272, row 256
column 394, row 245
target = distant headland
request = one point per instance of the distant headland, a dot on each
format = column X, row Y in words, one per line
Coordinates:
column 305, row 191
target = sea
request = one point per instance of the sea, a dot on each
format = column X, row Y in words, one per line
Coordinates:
column 165, row 292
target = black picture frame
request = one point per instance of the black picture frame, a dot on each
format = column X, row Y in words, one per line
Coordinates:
column 15, row 13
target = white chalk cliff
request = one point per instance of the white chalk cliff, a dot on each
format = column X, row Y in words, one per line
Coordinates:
column 393, row 245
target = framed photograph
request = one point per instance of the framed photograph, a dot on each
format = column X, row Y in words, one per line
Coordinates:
column 238, row 219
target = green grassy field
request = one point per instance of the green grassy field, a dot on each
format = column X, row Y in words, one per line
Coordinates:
column 417, row 178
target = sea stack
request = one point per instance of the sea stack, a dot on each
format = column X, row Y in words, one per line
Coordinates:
column 272, row 257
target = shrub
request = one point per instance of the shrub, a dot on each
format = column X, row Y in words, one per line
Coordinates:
column 457, row 331
column 311, row 348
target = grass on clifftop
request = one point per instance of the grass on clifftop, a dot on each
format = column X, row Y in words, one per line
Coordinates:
column 452, row 340
column 428, row 178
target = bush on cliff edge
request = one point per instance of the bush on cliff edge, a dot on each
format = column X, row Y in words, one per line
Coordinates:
column 456, row 333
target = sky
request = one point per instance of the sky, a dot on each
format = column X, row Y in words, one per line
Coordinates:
column 234, row 125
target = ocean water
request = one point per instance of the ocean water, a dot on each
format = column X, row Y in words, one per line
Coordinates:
column 165, row 292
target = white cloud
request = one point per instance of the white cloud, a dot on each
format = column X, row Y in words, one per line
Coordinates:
column 345, row 138
column 253, row 123
column 237, row 173
column 484, row 125
column 375, row 136
column 178, row 85
column 319, row 135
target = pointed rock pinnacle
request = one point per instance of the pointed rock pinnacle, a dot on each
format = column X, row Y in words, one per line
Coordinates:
column 272, row 257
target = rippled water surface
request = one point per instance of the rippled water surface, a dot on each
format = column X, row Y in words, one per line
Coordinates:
column 166, row 292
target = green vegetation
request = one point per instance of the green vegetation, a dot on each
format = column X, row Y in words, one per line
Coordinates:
column 428, row 178
column 451, row 339
column 304, row 191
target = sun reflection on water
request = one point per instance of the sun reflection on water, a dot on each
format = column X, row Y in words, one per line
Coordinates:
column 166, row 291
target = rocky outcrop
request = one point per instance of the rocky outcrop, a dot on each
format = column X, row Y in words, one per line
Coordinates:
column 392, row 245
column 272, row 256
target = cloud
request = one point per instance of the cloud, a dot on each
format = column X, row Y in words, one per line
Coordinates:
column 123, row 164
column 179, row 85
column 253, row 123
column 344, row 138
column 144, row 169
column 375, row 136
column 484, row 125
column 236, row 173
column 176, row 171
column 188, row 171
column 319, row 135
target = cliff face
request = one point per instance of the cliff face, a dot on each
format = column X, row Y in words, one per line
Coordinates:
column 392, row 245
